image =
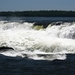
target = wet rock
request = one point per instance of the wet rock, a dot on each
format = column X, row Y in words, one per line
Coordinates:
column 57, row 23
column 5, row 48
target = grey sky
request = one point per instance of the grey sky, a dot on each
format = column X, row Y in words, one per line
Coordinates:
column 23, row 5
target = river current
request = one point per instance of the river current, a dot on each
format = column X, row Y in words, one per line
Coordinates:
column 24, row 40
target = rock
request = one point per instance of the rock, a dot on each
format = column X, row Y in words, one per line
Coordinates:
column 5, row 48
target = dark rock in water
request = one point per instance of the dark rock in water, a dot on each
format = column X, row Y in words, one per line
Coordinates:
column 43, row 23
column 5, row 48
column 57, row 23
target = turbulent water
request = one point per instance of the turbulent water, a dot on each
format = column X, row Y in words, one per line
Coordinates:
column 50, row 43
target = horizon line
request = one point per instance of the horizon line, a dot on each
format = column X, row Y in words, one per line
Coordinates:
column 33, row 10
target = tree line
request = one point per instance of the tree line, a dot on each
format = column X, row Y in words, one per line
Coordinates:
column 42, row 13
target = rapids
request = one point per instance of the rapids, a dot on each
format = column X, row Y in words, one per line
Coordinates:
column 50, row 43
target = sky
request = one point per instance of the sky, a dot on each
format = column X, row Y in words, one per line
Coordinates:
column 24, row 5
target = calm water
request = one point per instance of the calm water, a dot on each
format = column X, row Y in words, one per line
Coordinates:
column 34, row 19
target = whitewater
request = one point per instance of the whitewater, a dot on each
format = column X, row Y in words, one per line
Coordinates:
column 27, row 41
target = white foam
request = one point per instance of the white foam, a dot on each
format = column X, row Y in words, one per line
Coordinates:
column 24, row 39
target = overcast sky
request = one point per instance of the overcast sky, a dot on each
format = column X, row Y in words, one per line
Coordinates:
column 23, row 5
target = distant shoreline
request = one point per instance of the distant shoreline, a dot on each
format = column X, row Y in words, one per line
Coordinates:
column 41, row 13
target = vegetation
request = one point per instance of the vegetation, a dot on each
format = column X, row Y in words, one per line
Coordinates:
column 42, row 13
